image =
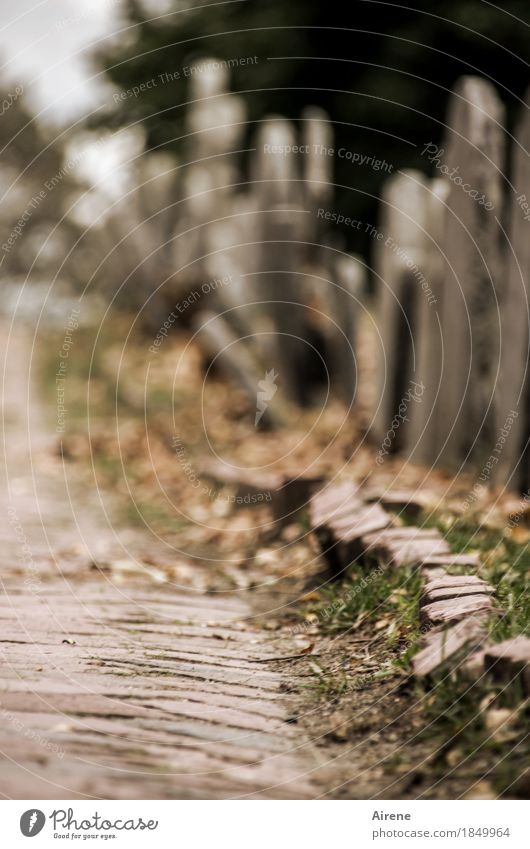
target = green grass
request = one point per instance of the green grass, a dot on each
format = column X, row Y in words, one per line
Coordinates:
column 387, row 598
column 453, row 709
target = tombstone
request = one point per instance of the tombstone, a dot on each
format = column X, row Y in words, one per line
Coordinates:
column 320, row 249
column 399, row 256
column 158, row 188
column 318, row 171
column 216, row 121
column 189, row 244
column 216, row 118
column 317, row 140
column 278, row 188
column 226, row 292
column 246, row 217
column 154, row 202
column 513, row 389
column 275, row 168
column 234, row 244
column 349, row 288
column 472, row 157
column 422, row 433
column 131, row 258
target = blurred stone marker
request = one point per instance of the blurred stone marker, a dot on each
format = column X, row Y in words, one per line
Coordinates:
column 423, row 432
column 398, row 259
column 513, row 388
column 348, row 291
column 473, row 157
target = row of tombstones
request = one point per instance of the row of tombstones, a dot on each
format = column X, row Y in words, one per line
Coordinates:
column 451, row 269
column 453, row 282
column 289, row 292
column 239, row 240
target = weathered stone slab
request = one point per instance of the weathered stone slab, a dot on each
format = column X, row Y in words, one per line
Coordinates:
column 333, row 501
column 445, row 593
column 405, row 546
column 472, row 667
column 340, row 538
column 358, row 523
column 456, row 581
column 512, row 384
column 448, row 644
column 398, row 261
column 318, row 134
column 509, row 661
column 410, row 502
column 473, row 150
column 452, row 610
column 432, row 573
column 470, row 560
column 286, row 495
column 350, row 285
column 421, row 432
column 407, row 533
column 279, row 188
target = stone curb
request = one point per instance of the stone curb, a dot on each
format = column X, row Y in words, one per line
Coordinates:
column 454, row 610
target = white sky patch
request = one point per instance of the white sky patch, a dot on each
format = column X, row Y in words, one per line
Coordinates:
column 46, row 44
column 104, row 162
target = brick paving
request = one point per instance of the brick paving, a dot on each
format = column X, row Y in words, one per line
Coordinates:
column 121, row 689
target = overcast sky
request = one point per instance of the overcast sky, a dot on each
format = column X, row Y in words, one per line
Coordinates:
column 46, row 43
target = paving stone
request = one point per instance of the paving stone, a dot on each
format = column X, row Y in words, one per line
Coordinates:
column 410, row 502
column 470, row 560
column 318, row 165
column 405, row 546
column 444, row 645
column 348, row 531
column 332, row 501
column 446, row 593
column 286, row 495
column 442, row 612
column 432, row 573
column 454, row 586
